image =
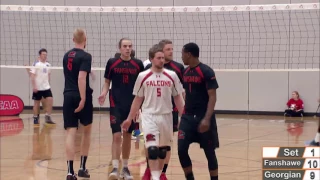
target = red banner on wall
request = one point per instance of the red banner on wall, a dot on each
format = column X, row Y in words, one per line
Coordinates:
column 10, row 125
column 10, row 105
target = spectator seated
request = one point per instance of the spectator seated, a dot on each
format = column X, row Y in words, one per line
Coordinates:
column 294, row 106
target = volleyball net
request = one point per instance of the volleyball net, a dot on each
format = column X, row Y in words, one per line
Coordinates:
column 279, row 37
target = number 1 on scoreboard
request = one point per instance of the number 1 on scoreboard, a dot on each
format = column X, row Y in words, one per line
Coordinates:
column 312, row 152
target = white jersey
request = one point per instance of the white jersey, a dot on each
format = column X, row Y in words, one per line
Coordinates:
column 157, row 90
column 41, row 72
column 146, row 62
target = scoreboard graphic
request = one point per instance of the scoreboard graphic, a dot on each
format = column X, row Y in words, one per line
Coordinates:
column 294, row 163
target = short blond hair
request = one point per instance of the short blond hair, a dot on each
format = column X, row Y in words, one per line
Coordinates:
column 164, row 42
column 79, row 35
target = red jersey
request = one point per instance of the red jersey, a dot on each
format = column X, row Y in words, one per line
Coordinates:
column 295, row 104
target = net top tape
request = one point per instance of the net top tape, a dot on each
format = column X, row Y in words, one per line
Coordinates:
column 222, row 70
column 137, row 9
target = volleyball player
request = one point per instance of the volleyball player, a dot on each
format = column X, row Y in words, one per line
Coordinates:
column 77, row 104
column 154, row 89
column 40, row 77
column 122, row 73
column 316, row 140
column 178, row 68
column 198, row 123
column 42, row 101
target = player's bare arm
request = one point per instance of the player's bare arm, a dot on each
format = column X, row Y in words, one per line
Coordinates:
column 82, row 89
column 93, row 75
column 184, row 95
column 178, row 94
column 205, row 123
column 135, row 107
column 28, row 71
column 179, row 102
column 105, row 90
column 33, row 82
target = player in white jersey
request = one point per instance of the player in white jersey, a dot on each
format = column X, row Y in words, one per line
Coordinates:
column 154, row 89
column 146, row 62
column 40, row 77
column 29, row 74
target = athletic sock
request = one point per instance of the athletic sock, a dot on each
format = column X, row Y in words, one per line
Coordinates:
column 83, row 162
column 115, row 163
column 155, row 175
column 124, row 163
column 164, row 170
column 70, row 167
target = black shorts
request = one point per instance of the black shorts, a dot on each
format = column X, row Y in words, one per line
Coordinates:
column 70, row 118
column 117, row 116
column 38, row 95
column 188, row 133
column 175, row 116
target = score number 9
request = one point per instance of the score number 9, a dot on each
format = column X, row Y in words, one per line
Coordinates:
column 312, row 175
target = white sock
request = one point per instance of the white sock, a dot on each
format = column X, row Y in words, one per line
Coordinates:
column 124, row 162
column 155, row 175
column 317, row 138
column 115, row 163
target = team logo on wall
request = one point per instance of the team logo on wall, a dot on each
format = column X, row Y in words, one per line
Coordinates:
column 10, row 125
column 10, row 105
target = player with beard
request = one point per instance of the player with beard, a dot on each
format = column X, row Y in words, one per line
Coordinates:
column 167, row 47
column 153, row 90
column 198, row 123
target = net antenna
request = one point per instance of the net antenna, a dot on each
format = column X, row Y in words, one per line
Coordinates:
column 272, row 37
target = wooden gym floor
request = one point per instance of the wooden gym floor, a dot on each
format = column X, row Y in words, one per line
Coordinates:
column 38, row 153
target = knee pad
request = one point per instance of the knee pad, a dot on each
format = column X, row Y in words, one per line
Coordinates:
column 162, row 152
column 168, row 148
column 184, row 158
column 212, row 159
column 153, row 152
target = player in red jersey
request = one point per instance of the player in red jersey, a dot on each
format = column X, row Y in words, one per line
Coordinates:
column 198, row 123
column 77, row 102
column 122, row 73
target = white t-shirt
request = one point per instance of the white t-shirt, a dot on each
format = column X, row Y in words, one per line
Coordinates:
column 146, row 62
column 41, row 75
column 157, row 90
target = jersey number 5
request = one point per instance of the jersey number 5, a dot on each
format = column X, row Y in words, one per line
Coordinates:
column 70, row 63
column 125, row 79
column 158, row 92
